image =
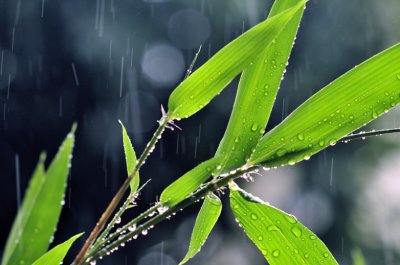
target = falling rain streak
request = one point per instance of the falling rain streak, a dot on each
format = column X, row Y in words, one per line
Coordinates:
column 18, row 180
column 75, row 74
column 121, row 80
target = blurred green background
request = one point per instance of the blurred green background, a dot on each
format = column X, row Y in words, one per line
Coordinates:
column 102, row 60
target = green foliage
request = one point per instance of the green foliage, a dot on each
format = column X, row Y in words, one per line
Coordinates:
column 56, row 254
column 206, row 82
column 256, row 93
column 354, row 99
column 130, row 157
column 358, row 257
column 37, row 218
column 205, row 221
column 279, row 236
column 189, row 182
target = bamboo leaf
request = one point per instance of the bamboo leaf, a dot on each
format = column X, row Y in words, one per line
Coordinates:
column 189, row 182
column 358, row 257
column 351, row 101
column 56, row 254
column 205, row 83
column 37, row 218
column 279, row 236
column 257, row 91
column 130, row 157
column 205, row 221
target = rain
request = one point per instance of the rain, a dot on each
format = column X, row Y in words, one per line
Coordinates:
column 101, row 61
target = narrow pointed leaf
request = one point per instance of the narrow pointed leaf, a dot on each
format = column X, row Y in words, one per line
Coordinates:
column 189, row 182
column 351, row 101
column 205, row 221
column 358, row 257
column 37, row 218
column 257, row 91
column 209, row 80
column 279, row 236
column 130, row 157
column 56, row 254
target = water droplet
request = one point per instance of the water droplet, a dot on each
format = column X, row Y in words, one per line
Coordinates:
column 237, row 206
column 398, row 76
column 191, row 97
column 312, row 237
column 261, row 132
column 374, row 114
column 306, row 255
column 276, row 253
column 321, row 143
column 326, row 255
column 296, row 231
column 281, row 152
column 291, row 219
column 264, row 252
column 266, row 86
column 254, row 127
column 300, row 136
column 144, row 232
column 273, row 228
column 237, row 139
column 254, row 216
column 332, row 142
column 260, row 238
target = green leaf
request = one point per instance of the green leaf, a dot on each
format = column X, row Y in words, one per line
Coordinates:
column 189, row 182
column 358, row 257
column 257, row 91
column 56, row 254
column 205, row 221
column 279, row 236
column 351, row 101
column 130, row 157
column 205, row 83
column 37, row 218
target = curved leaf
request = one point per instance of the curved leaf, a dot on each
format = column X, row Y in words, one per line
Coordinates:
column 206, row 82
column 37, row 218
column 257, row 91
column 130, row 157
column 354, row 99
column 189, row 182
column 279, row 236
column 56, row 254
column 205, row 221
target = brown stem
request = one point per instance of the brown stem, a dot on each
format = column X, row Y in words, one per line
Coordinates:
column 79, row 259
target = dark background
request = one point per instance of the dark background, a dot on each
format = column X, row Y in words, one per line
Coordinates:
column 98, row 61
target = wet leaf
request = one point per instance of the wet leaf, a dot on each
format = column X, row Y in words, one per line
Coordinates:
column 56, row 254
column 130, row 157
column 205, row 221
column 281, row 239
column 348, row 103
column 209, row 80
column 37, row 218
column 256, row 93
column 189, row 182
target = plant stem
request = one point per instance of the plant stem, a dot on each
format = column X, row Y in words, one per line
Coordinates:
column 369, row 134
column 79, row 259
column 211, row 186
column 138, row 219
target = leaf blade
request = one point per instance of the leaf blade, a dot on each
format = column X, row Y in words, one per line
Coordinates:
column 38, row 216
column 189, row 182
column 272, row 230
column 354, row 99
column 57, row 254
column 130, row 158
column 256, row 93
column 207, row 81
column 205, row 221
